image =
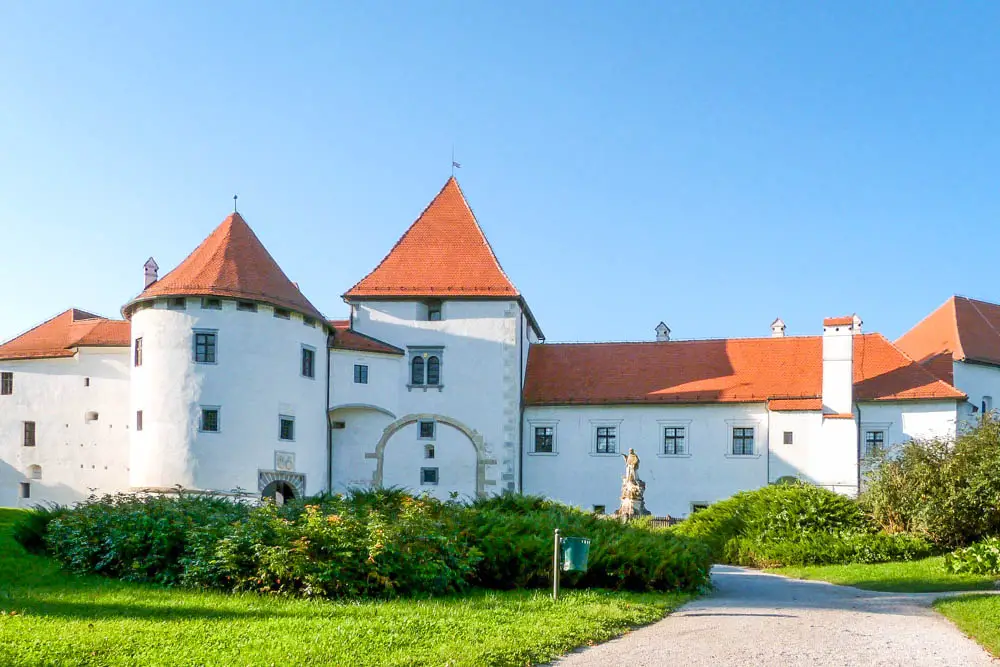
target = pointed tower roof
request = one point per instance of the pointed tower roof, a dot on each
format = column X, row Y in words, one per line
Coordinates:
column 443, row 254
column 61, row 335
column 230, row 263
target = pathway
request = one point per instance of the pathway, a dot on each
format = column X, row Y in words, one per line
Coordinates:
column 754, row 618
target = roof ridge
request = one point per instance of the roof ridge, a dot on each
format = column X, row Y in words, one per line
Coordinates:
column 486, row 240
column 973, row 303
column 694, row 340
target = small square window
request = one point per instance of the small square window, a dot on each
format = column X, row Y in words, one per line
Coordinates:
column 138, row 420
column 6, row 384
column 138, row 351
column 308, row 362
column 874, row 442
column 282, row 314
column 29, row 434
column 177, row 303
column 25, row 490
column 428, row 451
column 428, row 475
column 433, row 311
column 742, row 441
column 600, row 509
column 426, row 430
column 360, row 374
column 247, row 306
column 205, row 344
column 544, row 439
column 788, row 438
column 209, row 420
column 309, row 322
column 286, row 427
column 607, row 439
column 211, row 303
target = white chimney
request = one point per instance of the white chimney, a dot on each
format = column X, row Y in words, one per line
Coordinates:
column 662, row 332
column 151, row 270
column 857, row 324
column 777, row 328
column 838, row 365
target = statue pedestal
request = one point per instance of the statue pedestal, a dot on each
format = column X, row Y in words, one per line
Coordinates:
column 632, row 503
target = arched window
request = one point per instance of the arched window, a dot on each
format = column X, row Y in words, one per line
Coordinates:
column 34, row 472
column 433, row 371
column 417, row 376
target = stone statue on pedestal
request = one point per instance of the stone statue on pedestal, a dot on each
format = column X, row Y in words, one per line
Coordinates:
column 633, row 489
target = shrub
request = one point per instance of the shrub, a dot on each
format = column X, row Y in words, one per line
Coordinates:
column 819, row 548
column 947, row 491
column 30, row 530
column 980, row 558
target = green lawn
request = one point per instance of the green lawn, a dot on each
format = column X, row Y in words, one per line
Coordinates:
column 919, row 576
column 48, row 617
column 977, row 616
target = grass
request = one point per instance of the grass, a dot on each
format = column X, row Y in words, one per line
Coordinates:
column 918, row 576
column 49, row 617
column 977, row 616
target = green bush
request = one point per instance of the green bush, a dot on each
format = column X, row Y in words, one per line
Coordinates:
column 980, row 558
column 819, row 548
column 947, row 491
column 31, row 529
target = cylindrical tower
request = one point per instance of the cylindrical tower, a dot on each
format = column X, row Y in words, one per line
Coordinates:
column 229, row 374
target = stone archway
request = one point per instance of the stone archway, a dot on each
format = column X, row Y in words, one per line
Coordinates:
column 474, row 437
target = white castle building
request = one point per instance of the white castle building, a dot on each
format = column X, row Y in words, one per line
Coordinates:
column 224, row 377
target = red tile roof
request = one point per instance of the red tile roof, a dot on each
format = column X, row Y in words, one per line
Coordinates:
column 233, row 263
column 795, row 404
column 60, row 336
column 443, row 254
column 345, row 338
column 838, row 321
column 962, row 329
column 714, row 371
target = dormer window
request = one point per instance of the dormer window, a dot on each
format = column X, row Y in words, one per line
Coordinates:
column 211, row 303
column 177, row 303
column 433, row 310
column 281, row 313
column 247, row 306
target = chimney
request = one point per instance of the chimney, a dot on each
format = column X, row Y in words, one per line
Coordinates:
column 777, row 328
column 857, row 324
column 838, row 365
column 662, row 332
column 151, row 270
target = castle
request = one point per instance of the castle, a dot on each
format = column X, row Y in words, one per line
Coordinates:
column 222, row 376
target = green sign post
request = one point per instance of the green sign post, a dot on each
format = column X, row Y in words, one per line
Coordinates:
column 568, row 554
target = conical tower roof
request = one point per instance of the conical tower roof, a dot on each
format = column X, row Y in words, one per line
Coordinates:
column 230, row 263
column 443, row 254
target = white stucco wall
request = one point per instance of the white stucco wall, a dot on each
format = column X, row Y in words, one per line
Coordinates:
column 800, row 458
column 578, row 476
column 978, row 381
column 909, row 420
column 257, row 377
column 76, row 457
column 454, row 458
column 480, row 373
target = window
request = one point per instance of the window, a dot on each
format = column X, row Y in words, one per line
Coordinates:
column 543, row 439
column 433, row 311
column 788, row 438
column 25, row 490
column 286, row 427
column 874, row 442
column 209, row 303
column 309, row 322
column 360, row 374
column 282, row 314
column 29, row 434
column 209, row 420
column 425, row 430
column 433, row 371
column 428, row 451
column 177, row 303
column 138, row 420
column 600, row 509
column 417, row 371
column 6, row 384
column 138, row 351
column 308, row 362
column 35, row 472
column 428, row 475
column 607, row 437
column 247, row 306
column 205, row 344
column 86, row 382
column 91, row 416
column 697, row 507
column 987, row 404
column 674, row 440
column 742, row 441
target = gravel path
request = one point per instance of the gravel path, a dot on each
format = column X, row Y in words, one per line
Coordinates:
column 754, row 618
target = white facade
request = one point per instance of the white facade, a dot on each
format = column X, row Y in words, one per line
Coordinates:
column 254, row 380
column 79, row 406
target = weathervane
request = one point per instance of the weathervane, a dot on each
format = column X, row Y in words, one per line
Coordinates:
column 454, row 165
column 234, row 203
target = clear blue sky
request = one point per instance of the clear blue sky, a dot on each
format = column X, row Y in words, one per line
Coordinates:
column 710, row 164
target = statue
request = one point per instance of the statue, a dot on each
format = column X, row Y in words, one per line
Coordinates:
column 633, row 489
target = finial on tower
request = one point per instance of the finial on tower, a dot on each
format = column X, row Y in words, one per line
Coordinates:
column 234, row 203
column 454, row 165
